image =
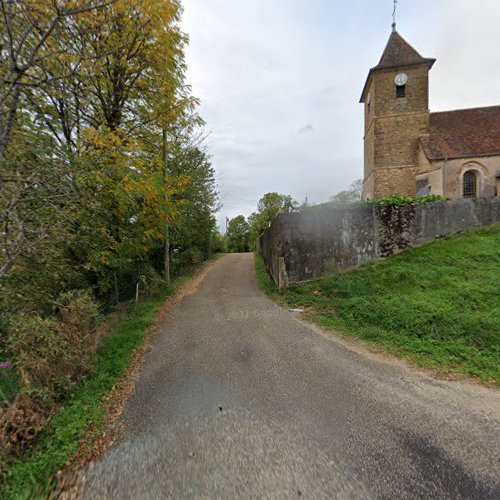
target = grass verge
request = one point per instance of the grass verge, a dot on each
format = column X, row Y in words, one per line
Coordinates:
column 31, row 476
column 437, row 305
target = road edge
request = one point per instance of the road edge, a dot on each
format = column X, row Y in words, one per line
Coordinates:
column 96, row 442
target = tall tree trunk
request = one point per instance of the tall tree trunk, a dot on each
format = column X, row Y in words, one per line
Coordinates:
column 166, row 259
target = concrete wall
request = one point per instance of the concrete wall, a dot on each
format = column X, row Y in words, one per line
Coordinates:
column 300, row 247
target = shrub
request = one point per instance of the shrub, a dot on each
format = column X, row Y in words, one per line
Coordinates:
column 34, row 343
column 20, row 424
column 393, row 200
column 77, row 312
column 8, row 380
column 51, row 353
column 192, row 256
column 400, row 201
column 218, row 243
column 150, row 281
column 50, row 356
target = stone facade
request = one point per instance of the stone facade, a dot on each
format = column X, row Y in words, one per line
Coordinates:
column 388, row 181
column 446, row 176
column 410, row 151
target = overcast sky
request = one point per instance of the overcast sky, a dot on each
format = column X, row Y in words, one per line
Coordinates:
column 280, row 81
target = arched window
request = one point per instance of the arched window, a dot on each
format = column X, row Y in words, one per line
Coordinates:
column 469, row 184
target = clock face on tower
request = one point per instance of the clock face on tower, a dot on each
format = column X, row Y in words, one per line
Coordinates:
column 401, row 79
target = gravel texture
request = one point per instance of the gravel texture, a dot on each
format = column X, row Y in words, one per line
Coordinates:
column 238, row 398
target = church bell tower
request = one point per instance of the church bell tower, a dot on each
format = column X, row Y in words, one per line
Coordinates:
column 396, row 101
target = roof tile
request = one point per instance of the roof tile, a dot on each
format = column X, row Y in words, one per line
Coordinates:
column 463, row 133
column 398, row 52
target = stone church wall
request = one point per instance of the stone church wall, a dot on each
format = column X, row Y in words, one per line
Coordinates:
column 395, row 180
column 301, row 247
column 445, row 176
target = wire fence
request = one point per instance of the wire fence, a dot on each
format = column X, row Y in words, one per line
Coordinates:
column 129, row 285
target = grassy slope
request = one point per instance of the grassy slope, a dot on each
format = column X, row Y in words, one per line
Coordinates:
column 30, row 477
column 438, row 304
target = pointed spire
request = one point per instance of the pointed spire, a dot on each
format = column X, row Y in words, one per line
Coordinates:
column 398, row 52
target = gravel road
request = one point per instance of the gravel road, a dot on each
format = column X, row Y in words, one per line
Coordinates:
column 238, row 398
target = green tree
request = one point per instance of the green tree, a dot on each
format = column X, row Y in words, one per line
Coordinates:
column 238, row 232
column 102, row 80
column 344, row 198
column 351, row 195
column 218, row 241
column 268, row 208
column 197, row 202
column 89, row 91
column 30, row 168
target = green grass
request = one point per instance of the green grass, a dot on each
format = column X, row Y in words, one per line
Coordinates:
column 437, row 305
column 30, row 477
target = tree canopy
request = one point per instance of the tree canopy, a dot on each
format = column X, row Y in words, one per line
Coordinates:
column 268, row 208
column 238, row 232
column 104, row 177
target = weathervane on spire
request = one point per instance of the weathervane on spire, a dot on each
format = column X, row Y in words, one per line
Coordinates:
column 394, row 15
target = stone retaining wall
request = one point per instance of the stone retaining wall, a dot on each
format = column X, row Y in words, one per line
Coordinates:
column 300, row 247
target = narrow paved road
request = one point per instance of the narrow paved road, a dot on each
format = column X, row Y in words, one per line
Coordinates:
column 240, row 399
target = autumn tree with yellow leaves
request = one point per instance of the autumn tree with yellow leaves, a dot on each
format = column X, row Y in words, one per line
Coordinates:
column 98, row 167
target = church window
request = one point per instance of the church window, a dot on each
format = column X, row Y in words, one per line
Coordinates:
column 400, row 91
column 470, row 184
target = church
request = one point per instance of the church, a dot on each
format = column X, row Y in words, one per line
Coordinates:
column 410, row 151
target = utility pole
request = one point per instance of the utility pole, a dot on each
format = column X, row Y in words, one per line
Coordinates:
column 166, row 257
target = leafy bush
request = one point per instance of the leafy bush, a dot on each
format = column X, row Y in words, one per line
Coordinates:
column 218, row 243
column 77, row 312
column 34, row 343
column 150, row 281
column 400, row 201
column 192, row 256
column 395, row 201
column 52, row 353
column 8, row 380
column 20, row 423
column 50, row 356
